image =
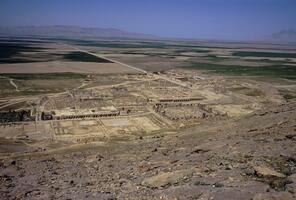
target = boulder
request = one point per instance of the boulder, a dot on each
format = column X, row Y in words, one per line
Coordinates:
column 167, row 178
column 262, row 171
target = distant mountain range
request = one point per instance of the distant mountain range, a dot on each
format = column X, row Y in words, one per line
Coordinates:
column 71, row 31
column 288, row 35
column 285, row 35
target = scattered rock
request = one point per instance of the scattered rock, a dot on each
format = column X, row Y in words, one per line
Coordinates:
column 167, row 178
column 197, row 183
column 91, row 159
column 218, row 185
column 146, row 168
column 200, row 150
column 291, row 136
column 262, row 171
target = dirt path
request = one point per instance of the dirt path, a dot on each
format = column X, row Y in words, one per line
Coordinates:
column 14, row 85
column 129, row 66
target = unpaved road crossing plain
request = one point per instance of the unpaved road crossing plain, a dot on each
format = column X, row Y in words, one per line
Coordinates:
column 170, row 120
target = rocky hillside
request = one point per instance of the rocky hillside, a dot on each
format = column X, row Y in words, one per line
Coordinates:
column 249, row 158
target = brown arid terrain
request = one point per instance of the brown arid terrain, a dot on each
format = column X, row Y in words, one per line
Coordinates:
column 56, row 67
column 147, row 120
column 251, row 158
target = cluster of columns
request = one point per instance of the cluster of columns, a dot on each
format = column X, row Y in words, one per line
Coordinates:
column 180, row 100
column 83, row 116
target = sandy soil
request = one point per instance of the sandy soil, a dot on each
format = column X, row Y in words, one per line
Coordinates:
column 57, row 66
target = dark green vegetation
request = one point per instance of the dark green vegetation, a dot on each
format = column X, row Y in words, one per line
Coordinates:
column 214, row 58
column 276, row 71
column 107, row 44
column 9, row 52
column 84, row 57
column 130, row 44
column 192, row 50
column 46, row 76
column 152, row 54
column 168, row 54
column 263, row 54
column 24, row 40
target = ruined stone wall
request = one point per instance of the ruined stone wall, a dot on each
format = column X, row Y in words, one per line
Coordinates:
column 15, row 116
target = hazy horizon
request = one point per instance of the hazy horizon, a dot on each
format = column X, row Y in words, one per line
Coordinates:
column 199, row 19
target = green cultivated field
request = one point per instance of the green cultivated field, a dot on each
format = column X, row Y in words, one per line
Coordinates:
column 264, row 54
column 9, row 50
column 192, row 50
column 276, row 71
column 133, row 44
column 84, row 57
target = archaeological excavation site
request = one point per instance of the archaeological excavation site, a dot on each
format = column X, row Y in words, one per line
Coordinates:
column 141, row 104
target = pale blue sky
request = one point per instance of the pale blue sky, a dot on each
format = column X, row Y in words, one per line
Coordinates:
column 212, row 19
